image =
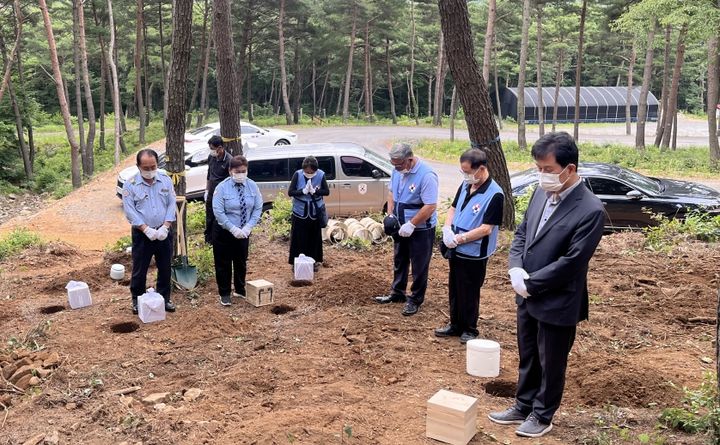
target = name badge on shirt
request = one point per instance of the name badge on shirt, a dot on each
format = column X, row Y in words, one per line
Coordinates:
column 476, row 209
column 165, row 190
column 412, row 188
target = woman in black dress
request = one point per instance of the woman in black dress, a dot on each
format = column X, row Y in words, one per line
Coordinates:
column 307, row 188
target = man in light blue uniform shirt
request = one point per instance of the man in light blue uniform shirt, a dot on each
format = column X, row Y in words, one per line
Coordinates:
column 237, row 203
column 413, row 200
column 149, row 205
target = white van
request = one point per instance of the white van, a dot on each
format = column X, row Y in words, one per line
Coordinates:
column 358, row 177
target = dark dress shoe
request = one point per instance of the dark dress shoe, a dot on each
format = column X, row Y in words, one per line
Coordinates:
column 467, row 336
column 385, row 299
column 447, row 331
column 410, row 309
column 134, row 307
column 169, row 306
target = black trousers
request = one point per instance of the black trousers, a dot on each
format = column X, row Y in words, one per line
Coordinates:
column 143, row 250
column 544, row 350
column 230, row 256
column 209, row 214
column 305, row 238
column 415, row 250
column 464, row 283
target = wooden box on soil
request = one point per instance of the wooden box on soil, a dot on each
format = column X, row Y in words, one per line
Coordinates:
column 451, row 417
column 259, row 292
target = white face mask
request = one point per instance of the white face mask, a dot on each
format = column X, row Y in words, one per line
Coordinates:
column 214, row 153
column 550, row 182
column 148, row 174
column 310, row 175
column 404, row 172
column 470, row 178
column 239, row 177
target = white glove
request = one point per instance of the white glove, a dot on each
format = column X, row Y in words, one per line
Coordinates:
column 151, row 233
column 306, row 189
column 246, row 231
column 205, row 196
column 517, row 278
column 162, row 233
column 449, row 237
column 313, row 189
column 238, row 233
column 406, row 229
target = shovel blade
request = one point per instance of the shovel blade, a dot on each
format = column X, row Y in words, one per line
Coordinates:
column 185, row 276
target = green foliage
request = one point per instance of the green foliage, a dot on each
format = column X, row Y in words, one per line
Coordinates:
column 120, row 245
column 671, row 232
column 17, row 241
column 700, row 412
column 277, row 221
column 521, row 204
column 355, row 243
column 200, row 255
column 195, row 218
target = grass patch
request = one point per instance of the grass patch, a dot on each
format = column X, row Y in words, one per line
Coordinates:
column 17, row 241
column 691, row 160
column 671, row 232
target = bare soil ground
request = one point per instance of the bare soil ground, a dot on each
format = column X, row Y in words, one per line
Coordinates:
column 325, row 357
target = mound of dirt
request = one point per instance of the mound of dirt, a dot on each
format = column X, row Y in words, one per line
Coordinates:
column 350, row 287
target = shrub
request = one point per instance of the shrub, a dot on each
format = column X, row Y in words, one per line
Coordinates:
column 195, row 218
column 670, row 232
column 277, row 220
column 17, row 241
column 521, row 204
column 120, row 245
column 700, row 412
column 200, row 255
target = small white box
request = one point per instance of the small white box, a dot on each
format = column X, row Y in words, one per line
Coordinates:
column 260, row 292
column 151, row 306
column 78, row 294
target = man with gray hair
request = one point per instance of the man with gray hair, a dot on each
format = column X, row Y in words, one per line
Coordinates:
column 412, row 200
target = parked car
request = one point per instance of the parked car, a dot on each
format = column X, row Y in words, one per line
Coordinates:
column 248, row 132
column 630, row 197
column 358, row 177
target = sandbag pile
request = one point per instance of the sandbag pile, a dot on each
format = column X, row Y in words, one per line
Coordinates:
column 367, row 229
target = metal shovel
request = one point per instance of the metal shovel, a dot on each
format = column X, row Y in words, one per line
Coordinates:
column 183, row 274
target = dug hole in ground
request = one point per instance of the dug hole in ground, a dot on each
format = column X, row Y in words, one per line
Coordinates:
column 326, row 364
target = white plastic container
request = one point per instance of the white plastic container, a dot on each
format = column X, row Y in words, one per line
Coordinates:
column 78, row 294
column 117, row 272
column 304, row 268
column 483, row 358
column 151, row 306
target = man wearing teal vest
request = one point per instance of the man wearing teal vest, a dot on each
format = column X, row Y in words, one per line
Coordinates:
column 470, row 235
column 412, row 200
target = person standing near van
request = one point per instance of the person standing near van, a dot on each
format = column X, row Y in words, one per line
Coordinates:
column 307, row 188
column 218, row 167
column 413, row 201
column 470, row 234
column 149, row 205
column 237, row 204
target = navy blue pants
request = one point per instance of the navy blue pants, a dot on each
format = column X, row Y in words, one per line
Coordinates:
column 143, row 250
column 415, row 250
column 543, row 350
column 231, row 255
column 464, row 282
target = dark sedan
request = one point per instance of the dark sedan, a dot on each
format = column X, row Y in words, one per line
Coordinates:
column 628, row 196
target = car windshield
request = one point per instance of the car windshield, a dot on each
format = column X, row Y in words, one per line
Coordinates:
column 640, row 181
column 199, row 130
column 378, row 160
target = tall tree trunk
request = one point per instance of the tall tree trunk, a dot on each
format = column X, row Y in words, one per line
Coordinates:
column 283, row 72
column 64, row 108
column 146, row 84
column 322, row 92
column 644, row 90
column 665, row 88
column 628, row 99
column 411, row 80
column 177, row 91
column 558, row 83
column 138, row 71
column 497, row 87
column 162, row 61
column 489, row 40
column 227, row 87
column 104, row 77
column 78, row 87
column 391, row 95
column 21, row 81
column 522, row 141
column 297, row 83
column 348, row 74
column 248, row 82
column 578, row 72
column 313, row 85
column 203, row 90
column 272, row 91
column 538, row 60
column 474, row 96
column 430, row 95
column 713, row 97
column 117, row 108
column 240, row 67
column 89, row 155
column 366, row 77
column 453, row 113
column 24, row 151
column 11, row 57
column 198, row 66
column 672, row 100
column 437, row 112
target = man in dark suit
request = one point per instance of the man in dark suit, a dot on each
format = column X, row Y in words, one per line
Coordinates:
column 548, row 269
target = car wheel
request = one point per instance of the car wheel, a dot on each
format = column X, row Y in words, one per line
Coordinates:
column 282, row 142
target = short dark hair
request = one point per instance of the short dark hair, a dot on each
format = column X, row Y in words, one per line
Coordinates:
column 146, row 152
column 238, row 161
column 558, row 143
column 216, row 141
column 475, row 157
column 311, row 162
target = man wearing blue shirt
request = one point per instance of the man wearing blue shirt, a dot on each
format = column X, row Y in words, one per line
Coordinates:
column 149, row 205
column 413, row 200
